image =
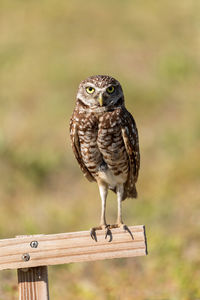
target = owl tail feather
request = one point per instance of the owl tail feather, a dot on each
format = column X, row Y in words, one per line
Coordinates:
column 130, row 192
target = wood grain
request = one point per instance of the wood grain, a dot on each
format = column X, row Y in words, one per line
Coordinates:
column 64, row 248
column 33, row 283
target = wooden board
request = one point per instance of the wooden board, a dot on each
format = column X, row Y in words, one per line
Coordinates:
column 53, row 249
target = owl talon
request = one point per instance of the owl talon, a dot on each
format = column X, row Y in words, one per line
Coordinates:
column 108, row 232
column 94, row 229
column 125, row 227
column 93, row 234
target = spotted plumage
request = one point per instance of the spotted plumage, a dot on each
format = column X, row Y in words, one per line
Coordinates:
column 104, row 139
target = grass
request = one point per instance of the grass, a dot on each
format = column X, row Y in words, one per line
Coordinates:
column 152, row 48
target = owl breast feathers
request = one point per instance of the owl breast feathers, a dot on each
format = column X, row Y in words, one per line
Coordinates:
column 104, row 136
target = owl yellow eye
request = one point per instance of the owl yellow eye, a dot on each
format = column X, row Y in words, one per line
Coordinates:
column 90, row 89
column 110, row 89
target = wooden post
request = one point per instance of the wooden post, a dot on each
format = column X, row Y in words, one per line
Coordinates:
column 33, row 283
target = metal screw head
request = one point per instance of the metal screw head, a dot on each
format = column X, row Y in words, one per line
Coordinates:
column 34, row 244
column 25, row 257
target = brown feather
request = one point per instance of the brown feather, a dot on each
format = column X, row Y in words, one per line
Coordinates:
column 76, row 149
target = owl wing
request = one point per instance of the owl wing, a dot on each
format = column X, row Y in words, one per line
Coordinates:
column 131, row 142
column 76, row 149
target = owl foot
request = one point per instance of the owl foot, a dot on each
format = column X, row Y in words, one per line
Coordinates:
column 101, row 227
column 122, row 226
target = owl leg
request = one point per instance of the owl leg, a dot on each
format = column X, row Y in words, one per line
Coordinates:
column 119, row 223
column 120, row 191
column 103, row 190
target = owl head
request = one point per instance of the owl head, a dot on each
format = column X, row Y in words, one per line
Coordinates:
column 100, row 91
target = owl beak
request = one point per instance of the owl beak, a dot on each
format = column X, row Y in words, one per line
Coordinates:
column 100, row 100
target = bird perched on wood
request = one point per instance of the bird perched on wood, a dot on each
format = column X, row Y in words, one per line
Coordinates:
column 104, row 140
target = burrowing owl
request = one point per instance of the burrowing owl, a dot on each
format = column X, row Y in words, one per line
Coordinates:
column 104, row 139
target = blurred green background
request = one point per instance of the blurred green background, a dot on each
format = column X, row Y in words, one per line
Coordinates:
column 153, row 49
